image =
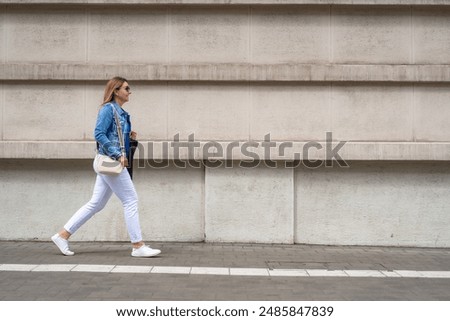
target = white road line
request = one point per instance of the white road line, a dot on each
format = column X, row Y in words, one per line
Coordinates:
column 131, row 269
column 222, row 271
column 93, row 268
column 288, row 272
column 391, row 274
column 326, row 273
column 172, row 269
column 210, row 270
column 249, row 271
column 18, row 267
column 365, row 273
column 54, row 268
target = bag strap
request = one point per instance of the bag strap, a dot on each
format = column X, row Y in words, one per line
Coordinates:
column 119, row 131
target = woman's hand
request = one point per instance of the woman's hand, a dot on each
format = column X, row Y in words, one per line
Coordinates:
column 124, row 161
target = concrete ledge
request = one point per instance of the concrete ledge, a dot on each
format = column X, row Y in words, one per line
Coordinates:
column 47, row 150
column 232, row 2
column 229, row 72
column 379, row 151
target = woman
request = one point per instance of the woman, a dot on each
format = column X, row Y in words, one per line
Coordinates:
column 117, row 93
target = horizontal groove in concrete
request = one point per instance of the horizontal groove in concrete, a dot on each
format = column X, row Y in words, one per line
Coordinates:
column 382, row 151
column 229, row 2
column 228, row 72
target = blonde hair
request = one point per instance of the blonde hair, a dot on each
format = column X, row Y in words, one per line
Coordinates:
column 112, row 84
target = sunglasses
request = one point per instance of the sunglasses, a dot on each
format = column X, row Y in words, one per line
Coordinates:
column 127, row 88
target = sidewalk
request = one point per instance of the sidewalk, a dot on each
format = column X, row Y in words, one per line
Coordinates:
column 203, row 271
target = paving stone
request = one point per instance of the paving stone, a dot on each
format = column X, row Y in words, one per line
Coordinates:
column 92, row 268
column 328, row 273
column 409, row 273
column 436, row 274
column 249, row 271
column 54, row 268
column 391, row 274
column 285, row 272
column 171, row 269
column 17, row 267
column 364, row 273
column 210, row 270
column 131, row 269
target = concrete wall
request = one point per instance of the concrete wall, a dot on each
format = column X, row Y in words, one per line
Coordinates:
column 374, row 203
column 375, row 76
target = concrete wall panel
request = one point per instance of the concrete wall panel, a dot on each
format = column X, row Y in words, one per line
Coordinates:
column 49, row 194
column 211, row 112
column 284, row 35
column 44, row 112
column 147, row 107
column 431, row 36
column 432, row 113
column 299, row 112
column 1, row 110
column 372, row 113
column 171, row 203
column 128, row 36
column 149, row 110
column 249, row 205
column 3, row 35
column 94, row 98
column 379, row 35
column 51, row 35
column 374, row 204
column 208, row 36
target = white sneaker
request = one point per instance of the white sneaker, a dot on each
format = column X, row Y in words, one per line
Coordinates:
column 62, row 244
column 145, row 251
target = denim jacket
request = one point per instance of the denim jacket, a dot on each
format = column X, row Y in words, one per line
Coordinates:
column 105, row 132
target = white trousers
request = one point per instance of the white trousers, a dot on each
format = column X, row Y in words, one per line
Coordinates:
column 105, row 185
